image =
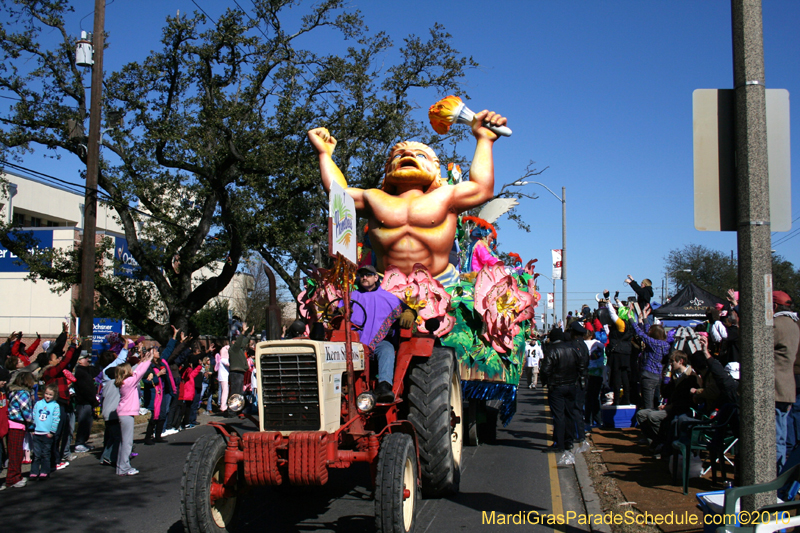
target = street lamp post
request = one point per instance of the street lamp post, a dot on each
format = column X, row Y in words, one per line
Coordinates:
column 666, row 280
column 563, row 200
column 545, row 302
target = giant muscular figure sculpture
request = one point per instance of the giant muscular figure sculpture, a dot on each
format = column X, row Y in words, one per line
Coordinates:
column 413, row 218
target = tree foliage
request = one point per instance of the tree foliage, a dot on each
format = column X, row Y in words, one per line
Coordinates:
column 212, row 319
column 212, row 158
column 717, row 272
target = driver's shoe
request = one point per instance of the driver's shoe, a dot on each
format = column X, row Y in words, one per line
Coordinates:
column 384, row 392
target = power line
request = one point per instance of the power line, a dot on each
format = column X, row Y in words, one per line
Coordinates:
column 204, row 12
column 108, row 198
column 793, row 221
column 787, row 237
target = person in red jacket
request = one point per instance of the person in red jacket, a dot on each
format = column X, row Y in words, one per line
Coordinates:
column 54, row 373
column 187, row 392
column 19, row 349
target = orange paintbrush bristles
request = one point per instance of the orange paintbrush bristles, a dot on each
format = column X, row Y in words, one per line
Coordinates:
column 444, row 113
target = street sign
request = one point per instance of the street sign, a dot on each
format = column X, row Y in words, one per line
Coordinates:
column 714, row 159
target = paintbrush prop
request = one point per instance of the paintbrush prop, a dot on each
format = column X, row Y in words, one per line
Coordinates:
column 452, row 110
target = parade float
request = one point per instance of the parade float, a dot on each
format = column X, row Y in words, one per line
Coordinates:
column 484, row 308
column 317, row 403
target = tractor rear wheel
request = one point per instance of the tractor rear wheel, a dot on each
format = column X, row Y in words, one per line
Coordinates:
column 435, row 409
column 205, row 466
column 396, row 494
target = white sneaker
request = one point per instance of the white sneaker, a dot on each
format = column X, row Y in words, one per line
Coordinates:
column 19, row 484
column 80, row 448
column 131, row 472
column 62, row 465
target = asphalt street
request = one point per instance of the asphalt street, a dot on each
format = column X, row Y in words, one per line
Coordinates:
column 508, row 477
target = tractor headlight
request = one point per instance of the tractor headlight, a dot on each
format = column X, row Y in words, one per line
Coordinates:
column 236, row 402
column 365, row 402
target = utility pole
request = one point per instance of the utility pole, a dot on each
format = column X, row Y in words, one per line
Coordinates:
column 88, row 252
column 273, row 314
column 757, row 386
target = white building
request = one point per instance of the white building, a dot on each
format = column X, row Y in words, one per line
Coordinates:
column 55, row 217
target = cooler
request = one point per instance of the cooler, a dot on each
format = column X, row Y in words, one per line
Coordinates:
column 618, row 416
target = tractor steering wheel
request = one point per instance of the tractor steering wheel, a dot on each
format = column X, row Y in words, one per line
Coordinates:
column 328, row 314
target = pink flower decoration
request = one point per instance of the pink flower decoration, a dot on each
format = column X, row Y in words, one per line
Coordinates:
column 422, row 293
column 529, row 269
column 503, row 306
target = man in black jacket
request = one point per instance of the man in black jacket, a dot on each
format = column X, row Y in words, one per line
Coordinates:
column 238, row 361
column 644, row 293
column 564, row 369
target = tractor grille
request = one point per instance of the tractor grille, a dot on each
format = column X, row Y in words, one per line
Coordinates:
column 290, row 391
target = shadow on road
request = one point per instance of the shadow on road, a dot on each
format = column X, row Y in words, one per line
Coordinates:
column 290, row 508
column 481, row 501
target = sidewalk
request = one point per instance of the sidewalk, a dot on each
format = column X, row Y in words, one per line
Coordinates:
column 645, row 481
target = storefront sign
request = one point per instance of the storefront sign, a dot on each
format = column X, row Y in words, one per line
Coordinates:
column 11, row 263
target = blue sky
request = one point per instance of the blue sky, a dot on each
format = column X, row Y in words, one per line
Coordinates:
column 599, row 92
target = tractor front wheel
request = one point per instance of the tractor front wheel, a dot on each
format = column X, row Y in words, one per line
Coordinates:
column 435, row 409
column 396, row 493
column 203, row 508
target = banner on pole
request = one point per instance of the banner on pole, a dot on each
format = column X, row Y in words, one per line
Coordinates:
column 551, row 300
column 342, row 224
column 556, row 264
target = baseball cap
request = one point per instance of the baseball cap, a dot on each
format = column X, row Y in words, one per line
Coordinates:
column 781, row 298
column 576, row 327
column 367, row 268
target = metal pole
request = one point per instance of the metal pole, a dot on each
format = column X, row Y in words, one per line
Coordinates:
column 564, row 253
column 757, row 387
column 273, row 309
column 555, row 322
column 88, row 255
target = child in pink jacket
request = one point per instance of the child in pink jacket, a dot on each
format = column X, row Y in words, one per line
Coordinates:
column 186, row 396
column 127, row 380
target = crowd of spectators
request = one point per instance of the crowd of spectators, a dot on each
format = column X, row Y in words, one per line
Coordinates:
column 617, row 357
column 49, row 398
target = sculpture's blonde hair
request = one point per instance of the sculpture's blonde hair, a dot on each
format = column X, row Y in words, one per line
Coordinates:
column 437, row 181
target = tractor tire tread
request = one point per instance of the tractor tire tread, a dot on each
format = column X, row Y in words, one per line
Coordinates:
column 395, row 448
column 429, row 411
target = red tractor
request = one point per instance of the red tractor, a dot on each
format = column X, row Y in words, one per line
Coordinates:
column 317, row 410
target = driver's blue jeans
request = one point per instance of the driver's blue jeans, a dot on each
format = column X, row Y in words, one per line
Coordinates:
column 384, row 352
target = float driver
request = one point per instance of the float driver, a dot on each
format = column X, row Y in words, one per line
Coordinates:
column 413, row 218
column 383, row 308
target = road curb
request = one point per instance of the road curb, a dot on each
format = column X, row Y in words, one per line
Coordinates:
column 591, row 501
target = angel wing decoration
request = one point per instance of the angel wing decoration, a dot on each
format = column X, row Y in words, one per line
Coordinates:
column 497, row 208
